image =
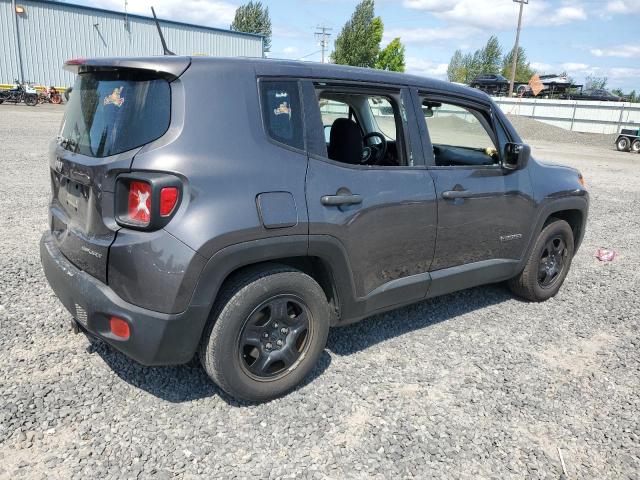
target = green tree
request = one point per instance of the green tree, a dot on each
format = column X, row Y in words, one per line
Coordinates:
column 254, row 18
column 456, row 71
column 465, row 68
column 594, row 83
column 524, row 72
column 359, row 41
column 392, row 57
column 490, row 56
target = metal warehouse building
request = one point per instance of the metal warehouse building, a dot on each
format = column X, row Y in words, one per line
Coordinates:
column 37, row 36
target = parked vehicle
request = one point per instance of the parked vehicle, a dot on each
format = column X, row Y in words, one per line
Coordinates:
column 20, row 93
column 233, row 230
column 493, row 84
column 628, row 140
column 554, row 86
column 596, row 94
column 50, row 95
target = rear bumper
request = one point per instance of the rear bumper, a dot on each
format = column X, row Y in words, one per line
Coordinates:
column 156, row 338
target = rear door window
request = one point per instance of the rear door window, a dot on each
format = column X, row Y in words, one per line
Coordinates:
column 112, row 112
column 282, row 112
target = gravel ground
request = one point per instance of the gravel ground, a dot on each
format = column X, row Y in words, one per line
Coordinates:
column 534, row 130
column 472, row 385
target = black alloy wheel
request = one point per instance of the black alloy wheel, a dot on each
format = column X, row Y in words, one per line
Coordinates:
column 552, row 261
column 548, row 263
column 276, row 335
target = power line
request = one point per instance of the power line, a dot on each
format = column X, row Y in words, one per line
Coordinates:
column 322, row 33
column 514, row 60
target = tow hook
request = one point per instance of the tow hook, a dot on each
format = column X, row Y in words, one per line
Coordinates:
column 75, row 328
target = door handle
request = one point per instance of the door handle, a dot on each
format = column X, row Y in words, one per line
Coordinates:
column 453, row 194
column 341, row 200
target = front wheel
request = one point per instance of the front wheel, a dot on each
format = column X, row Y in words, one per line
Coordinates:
column 548, row 263
column 635, row 146
column 266, row 333
column 56, row 99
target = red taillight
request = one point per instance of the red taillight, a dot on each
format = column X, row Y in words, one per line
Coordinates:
column 139, row 210
column 119, row 327
column 168, row 200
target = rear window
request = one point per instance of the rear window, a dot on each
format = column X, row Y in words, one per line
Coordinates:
column 112, row 112
column 281, row 112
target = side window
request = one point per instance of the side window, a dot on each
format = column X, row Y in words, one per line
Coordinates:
column 383, row 114
column 282, row 112
column 362, row 128
column 459, row 135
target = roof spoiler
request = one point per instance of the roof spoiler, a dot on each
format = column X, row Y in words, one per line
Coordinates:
column 169, row 67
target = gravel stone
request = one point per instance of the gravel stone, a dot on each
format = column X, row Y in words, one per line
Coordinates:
column 477, row 384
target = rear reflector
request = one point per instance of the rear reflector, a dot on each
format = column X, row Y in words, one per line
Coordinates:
column 119, row 327
column 75, row 61
column 139, row 210
column 168, row 200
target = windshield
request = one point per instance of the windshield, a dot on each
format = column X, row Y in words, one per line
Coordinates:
column 115, row 111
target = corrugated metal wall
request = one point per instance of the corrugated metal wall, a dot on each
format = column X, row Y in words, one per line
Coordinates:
column 51, row 33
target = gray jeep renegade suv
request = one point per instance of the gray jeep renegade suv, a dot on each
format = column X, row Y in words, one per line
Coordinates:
column 301, row 196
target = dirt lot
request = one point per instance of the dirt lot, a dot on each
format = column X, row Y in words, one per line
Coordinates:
column 472, row 385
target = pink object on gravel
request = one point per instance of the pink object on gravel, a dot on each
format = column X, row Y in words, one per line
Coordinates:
column 605, row 255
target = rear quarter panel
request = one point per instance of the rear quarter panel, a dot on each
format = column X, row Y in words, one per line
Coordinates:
column 226, row 160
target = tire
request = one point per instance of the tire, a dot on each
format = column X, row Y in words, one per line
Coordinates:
column 56, row 99
column 537, row 283
column 249, row 308
column 31, row 100
column 623, row 144
column 635, row 146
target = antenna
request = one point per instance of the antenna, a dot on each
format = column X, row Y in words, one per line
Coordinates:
column 164, row 44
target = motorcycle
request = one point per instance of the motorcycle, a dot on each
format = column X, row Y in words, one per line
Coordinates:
column 20, row 93
column 50, row 95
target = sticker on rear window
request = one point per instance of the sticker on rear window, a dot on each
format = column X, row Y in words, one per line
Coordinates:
column 283, row 109
column 114, row 98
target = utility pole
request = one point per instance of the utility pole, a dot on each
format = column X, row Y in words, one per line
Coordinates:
column 322, row 33
column 514, row 60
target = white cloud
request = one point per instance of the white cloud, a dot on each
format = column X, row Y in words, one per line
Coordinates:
column 428, row 35
column 200, row 12
column 425, row 68
column 542, row 67
column 574, row 67
column 567, row 14
column 499, row 14
column 629, row 7
column 622, row 51
column 290, row 50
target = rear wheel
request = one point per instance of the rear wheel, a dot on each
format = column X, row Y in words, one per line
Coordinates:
column 623, row 144
column 548, row 263
column 635, row 146
column 267, row 331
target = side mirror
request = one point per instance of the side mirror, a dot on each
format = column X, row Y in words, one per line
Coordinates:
column 516, row 156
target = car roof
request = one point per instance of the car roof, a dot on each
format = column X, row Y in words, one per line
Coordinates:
column 275, row 67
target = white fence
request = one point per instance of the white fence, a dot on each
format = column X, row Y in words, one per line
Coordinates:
column 575, row 115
